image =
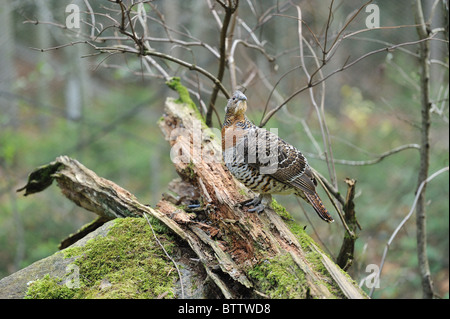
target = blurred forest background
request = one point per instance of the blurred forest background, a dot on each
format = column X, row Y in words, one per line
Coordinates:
column 102, row 109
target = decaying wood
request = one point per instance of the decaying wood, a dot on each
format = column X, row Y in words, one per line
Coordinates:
column 345, row 257
column 202, row 211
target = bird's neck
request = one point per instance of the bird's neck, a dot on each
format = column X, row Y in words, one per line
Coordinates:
column 234, row 127
column 232, row 118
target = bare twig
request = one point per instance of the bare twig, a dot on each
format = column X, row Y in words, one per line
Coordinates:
column 376, row 160
column 190, row 66
column 167, row 254
column 345, row 27
column 91, row 12
column 229, row 11
column 274, row 88
column 327, row 185
column 405, row 219
column 345, row 66
column 142, row 46
column 319, row 111
column 59, row 46
column 327, row 190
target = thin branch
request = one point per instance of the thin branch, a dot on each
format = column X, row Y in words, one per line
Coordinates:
column 346, row 25
column 259, row 48
column 344, row 67
column 250, row 31
column 376, row 160
column 176, row 41
column 140, row 44
column 229, row 11
column 324, row 128
column 319, row 112
column 386, row 49
column 330, row 13
column 167, row 254
column 311, row 137
column 190, row 66
column 91, row 12
column 326, row 189
column 231, row 60
column 160, row 69
column 273, row 90
column 351, row 36
column 316, row 233
column 214, row 13
column 404, row 220
column 59, row 46
column 326, row 184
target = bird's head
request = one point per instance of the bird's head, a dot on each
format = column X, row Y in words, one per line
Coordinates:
column 237, row 104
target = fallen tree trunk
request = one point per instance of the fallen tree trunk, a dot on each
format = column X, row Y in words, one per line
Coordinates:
column 246, row 255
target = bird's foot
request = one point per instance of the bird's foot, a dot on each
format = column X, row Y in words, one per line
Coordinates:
column 250, row 202
column 258, row 208
column 259, row 203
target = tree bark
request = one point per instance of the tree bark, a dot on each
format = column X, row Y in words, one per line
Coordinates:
column 345, row 257
column 424, row 62
column 246, row 255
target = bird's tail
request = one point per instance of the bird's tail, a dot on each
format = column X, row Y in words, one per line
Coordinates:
column 319, row 207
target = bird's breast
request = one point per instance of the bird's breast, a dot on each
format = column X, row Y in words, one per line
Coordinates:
column 231, row 136
column 257, row 182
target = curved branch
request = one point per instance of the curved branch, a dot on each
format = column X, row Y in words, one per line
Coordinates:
column 344, row 67
column 376, row 160
column 405, row 219
column 229, row 11
column 190, row 66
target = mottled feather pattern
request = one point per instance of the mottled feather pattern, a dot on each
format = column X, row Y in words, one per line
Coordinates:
column 319, row 207
column 264, row 162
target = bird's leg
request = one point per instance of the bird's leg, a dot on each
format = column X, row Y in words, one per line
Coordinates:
column 259, row 202
column 251, row 202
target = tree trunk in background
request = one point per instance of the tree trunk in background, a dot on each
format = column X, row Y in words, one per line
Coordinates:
column 8, row 105
column 9, row 119
column 79, row 85
column 45, row 67
column 424, row 62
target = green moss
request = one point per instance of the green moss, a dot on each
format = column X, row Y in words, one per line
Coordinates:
column 184, row 98
column 127, row 263
column 280, row 210
column 183, row 93
column 279, row 277
column 190, row 169
column 49, row 288
column 243, row 192
column 313, row 254
column 294, row 227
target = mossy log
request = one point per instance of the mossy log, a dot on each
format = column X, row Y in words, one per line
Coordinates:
column 245, row 255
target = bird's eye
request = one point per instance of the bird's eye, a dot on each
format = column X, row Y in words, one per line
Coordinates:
column 234, row 99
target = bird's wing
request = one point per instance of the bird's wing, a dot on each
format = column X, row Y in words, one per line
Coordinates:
column 282, row 161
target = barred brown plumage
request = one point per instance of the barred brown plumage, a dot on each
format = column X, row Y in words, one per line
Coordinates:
column 264, row 162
